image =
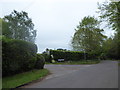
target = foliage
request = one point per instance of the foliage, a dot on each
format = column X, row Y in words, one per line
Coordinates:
column 23, row 78
column 72, row 55
column 46, row 56
column 107, row 45
column 110, row 46
column 18, row 25
column 18, row 56
column 67, row 55
column 5, row 29
column 88, row 37
column 40, row 62
column 110, row 12
column 53, row 61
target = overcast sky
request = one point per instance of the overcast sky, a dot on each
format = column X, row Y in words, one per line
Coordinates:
column 55, row 20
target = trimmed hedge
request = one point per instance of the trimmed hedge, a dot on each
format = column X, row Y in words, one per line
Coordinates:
column 46, row 57
column 18, row 56
column 40, row 62
column 68, row 55
column 72, row 55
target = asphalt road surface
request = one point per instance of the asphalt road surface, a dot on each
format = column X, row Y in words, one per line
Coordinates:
column 102, row 75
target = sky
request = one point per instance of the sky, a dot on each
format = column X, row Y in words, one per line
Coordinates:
column 54, row 20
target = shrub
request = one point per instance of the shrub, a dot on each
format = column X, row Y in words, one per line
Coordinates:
column 46, row 57
column 18, row 56
column 40, row 62
column 53, row 61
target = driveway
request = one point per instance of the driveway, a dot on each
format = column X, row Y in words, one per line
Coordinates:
column 102, row 75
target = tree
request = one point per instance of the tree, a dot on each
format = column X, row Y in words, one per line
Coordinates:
column 5, row 29
column 107, row 46
column 110, row 12
column 88, row 36
column 20, row 26
column 110, row 48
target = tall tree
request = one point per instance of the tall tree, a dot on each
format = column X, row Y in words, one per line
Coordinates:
column 20, row 26
column 110, row 12
column 88, row 36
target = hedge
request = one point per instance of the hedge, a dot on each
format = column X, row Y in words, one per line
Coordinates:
column 72, row 55
column 17, row 56
column 46, row 57
column 40, row 62
column 68, row 55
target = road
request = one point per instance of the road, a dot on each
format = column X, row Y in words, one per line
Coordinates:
column 102, row 75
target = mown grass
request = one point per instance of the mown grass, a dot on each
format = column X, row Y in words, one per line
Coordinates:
column 77, row 62
column 23, row 78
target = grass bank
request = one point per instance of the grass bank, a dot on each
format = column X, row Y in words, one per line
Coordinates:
column 118, row 62
column 77, row 62
column 23, row 78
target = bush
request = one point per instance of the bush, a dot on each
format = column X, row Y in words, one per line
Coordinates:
column 46, row 57
column 40, row 62
column 18, row 56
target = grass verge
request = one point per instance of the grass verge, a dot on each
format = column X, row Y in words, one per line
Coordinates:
column 23, row 78
column 77, row 62
column 118, row 64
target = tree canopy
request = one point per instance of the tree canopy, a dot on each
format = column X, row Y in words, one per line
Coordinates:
column 18, row 25
column 110, row 12
column 5, row 29
column 88, row 36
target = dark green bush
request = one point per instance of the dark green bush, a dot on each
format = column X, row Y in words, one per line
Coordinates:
column 18, row 56
column 46, row 56
column 40, row 62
